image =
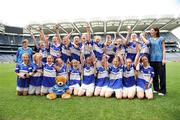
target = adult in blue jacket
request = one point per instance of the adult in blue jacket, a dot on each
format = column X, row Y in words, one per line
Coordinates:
column 24, row 49
column 157, row 60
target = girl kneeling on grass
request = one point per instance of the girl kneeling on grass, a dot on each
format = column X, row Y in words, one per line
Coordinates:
column 145, row 79
column 49, row 74
column 36, row 75
column 22, row 71
column 88, row 81
column 115, row 79
column 61, row 68
column 129, row 76
column 102, row 80
column 74, row 77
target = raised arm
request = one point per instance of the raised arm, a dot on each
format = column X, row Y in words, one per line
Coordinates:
column 34, row 40
column 69, row 34
column 43, row 37
column 143, row 38
column 138, row 49
column 88, row 32
column 125, row 40
column 57, row 33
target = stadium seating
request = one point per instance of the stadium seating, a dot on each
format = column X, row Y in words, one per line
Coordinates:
column 10, row 43
column 7, row 58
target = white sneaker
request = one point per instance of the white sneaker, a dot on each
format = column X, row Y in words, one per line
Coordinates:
column 155, row 92
column 161, row 94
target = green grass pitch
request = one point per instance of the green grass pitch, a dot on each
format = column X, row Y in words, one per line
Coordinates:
column 14, row 107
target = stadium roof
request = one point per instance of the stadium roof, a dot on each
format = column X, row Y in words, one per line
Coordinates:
column 98, row 26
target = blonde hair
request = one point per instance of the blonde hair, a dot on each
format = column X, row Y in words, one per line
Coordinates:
column 25, row 54
column 76, row 37
column 25, row 41
column 35, row 55
column 95, row 37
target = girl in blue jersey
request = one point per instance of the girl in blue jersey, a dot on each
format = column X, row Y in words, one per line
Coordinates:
column 49, row 74
column 74, row 77
column 98, row 50
column 76, row 49
column 102, row 80
column 109, row 48
column 119, row 48
column 144, row 46
column 87, row 44
column 36, row 75
column 145, row 79
column 43, row 51
column 131, row 47
column 55, row 48
column 42, row 48
column 65, row 48
column 129, row 76
column 115, row 79
column 22, row 50
column 61, row 68
column 88, row 81
column 22, row 71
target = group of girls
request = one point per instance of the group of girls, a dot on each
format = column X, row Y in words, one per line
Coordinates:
column 118, row 68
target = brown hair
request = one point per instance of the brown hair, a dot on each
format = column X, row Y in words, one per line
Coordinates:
column 157, row 30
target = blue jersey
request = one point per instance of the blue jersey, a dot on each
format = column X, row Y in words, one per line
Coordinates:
column 156, row 49
column 63, row 71
column 44, row 53
column 115, row 77
column 65, row 53
column 98, row 50
column 144, row 48
column 102, row 77
column 59, row 90
column 75, row 76
column 86, row 48
column 75, row 52
column 23, row 69
column 21, row 51
column 131, row 50
column 49, row 74
column 121, row 49
column 145, row 75
column 36, row 79
column 110, row 51
column 55, row 50
column 88, row 76
column 129, row 76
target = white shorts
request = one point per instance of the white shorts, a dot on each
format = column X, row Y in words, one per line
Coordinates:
column 45, row 90
column 21, row 89
column 77, row 86
column 89, row 88
column 129, row 89
column 97, row 87
column 34, row 89
column 139, row 89
column 113, row 90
